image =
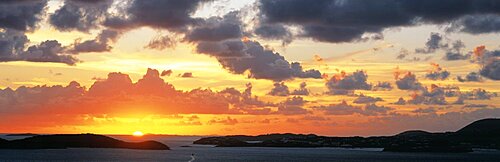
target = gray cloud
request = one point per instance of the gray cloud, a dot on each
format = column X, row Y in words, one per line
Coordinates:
column 302, row 90
column 80, row 15
column 347, row 21
column 274, row 32
column 100, row 44
column 437, row 73
column 217, row 29
column 240, row 56
column 366, row 99
column 21, row 15
column 491, row 69
column 174, row 15
column 382, row 86
column 433, row 43
column 408, row 82
column 279, row 89
column 343, row 83
column 471, row 77
column 292, row 106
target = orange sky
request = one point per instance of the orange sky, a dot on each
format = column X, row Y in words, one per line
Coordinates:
column 245, row 83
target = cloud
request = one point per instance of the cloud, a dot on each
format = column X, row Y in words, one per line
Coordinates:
column 455, row 52
column 292, row 106
column 429, row 110
column 401, row 101
column 408, row 82
column 437, row 73
column 476, row 24
column 279, row 89
column 340, row 83
column 241, row 56
column 345, row 109
column 80, row 15
column 350, row 21
column 166, row 72
column 491, row 69
column 303, row 91
column 366, row 99
column 21, row 15
column 187, row 75
column 471, row 77
column 435, row 95
column 173, row 15
column 476, row 106
column 382, row 86
column 433, row 43
column 99, row 44
column 118, row 94
column 274, row 32
column 225, row 121
column 217, row 29
column 162, row 42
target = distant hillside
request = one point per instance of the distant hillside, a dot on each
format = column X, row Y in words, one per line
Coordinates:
column 485, row 127
column 480, row 134
column 63, row 141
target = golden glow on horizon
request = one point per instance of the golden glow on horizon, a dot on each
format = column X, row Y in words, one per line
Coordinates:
column 137, row 134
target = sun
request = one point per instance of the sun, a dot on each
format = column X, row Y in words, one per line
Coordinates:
column 138, row 134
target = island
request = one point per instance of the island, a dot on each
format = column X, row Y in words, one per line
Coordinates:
column 63, row 141
column 479, row 134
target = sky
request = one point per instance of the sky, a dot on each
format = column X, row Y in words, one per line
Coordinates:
column 223, row 67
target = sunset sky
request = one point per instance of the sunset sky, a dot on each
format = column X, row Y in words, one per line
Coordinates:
column 217, row 67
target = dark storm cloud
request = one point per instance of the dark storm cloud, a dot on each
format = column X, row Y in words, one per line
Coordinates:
column 477, row 24
column 80, row 15
column 347, row 21
column 21, row 15
column 174, row 15
column 239, row 56
column 274, row 32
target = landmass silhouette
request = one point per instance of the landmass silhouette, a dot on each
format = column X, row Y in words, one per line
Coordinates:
column 479, row 134
column 63, row 141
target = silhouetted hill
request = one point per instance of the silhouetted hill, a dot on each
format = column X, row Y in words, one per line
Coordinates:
column 485, row 127
column 22, row 134
column 480, row 134
column 413, row 133
column 62, row 141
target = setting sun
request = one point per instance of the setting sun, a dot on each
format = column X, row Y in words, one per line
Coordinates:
column 138, row 134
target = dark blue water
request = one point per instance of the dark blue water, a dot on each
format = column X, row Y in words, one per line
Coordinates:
column 209, row 154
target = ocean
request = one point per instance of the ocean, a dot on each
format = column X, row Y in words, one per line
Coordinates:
column 202, row 153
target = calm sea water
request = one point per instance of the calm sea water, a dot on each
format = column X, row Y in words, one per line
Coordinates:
column 209, row 154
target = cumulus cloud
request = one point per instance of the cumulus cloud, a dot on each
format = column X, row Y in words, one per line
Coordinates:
column 401, row 101
column 491, row 69
column 345, row 109
column 292, row 106
column 437, row 73
column 217, row 29
column 117, row 94
column 366, row 99
column 434, row 95
column 455, row 52
column 13, row 44
column 225, row 121
column 239, row 56
column 99, row 44
column 429, row 110
column 408, row 82
column 471, row 77
column 343, row 83
column 279, row 89
column 303, row 91
column 187, row 75
column 382, row 86
column 80, row 15
column 433, row 43
column 166, row 72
